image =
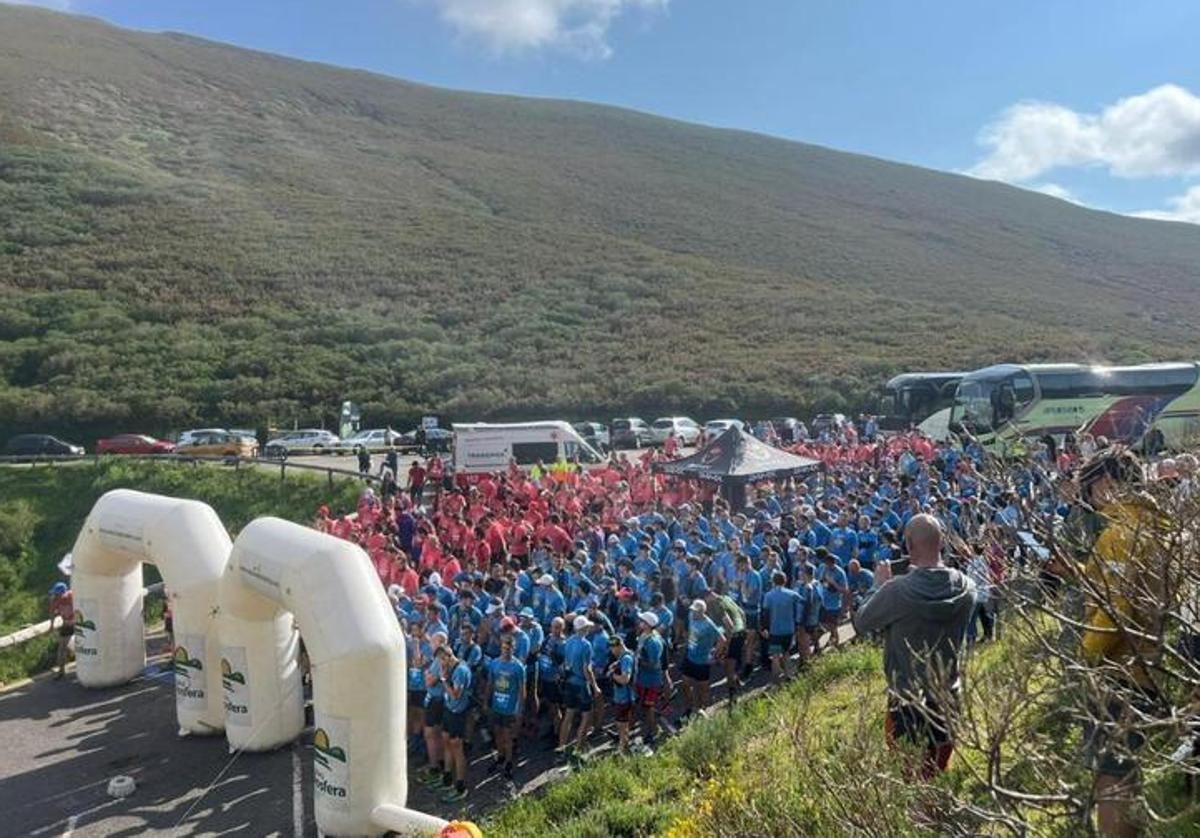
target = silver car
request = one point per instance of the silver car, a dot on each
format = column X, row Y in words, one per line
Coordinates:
column 302, row 441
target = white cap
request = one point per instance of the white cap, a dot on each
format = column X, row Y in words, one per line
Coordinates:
column 581, row 622
column 545, row 579
column 698, row 606
column 435, row 578
column 394, row 592
column 680, row 544
column 649, row 618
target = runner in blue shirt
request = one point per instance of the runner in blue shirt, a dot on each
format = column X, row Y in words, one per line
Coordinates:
column 506, row 690
column 435, row 706
column 859, row 582
column 784, row 613
column 705, row 642
column 457, row 687
column 649, row 679
column 748, row 593
column 832, row 580
column 581, row 690
column 844, row 543
column 620, row 674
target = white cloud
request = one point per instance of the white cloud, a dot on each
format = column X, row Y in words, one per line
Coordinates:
column 1054, row 190
column 576, row 26
column 1156, row 133
column 1185, row 207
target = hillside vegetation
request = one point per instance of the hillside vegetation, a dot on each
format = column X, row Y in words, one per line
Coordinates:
column 43, row 508
column 191, row 232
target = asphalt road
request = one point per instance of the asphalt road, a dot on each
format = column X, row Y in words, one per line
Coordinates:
column 63, row 744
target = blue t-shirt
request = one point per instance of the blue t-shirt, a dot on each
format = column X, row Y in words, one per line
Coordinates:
column 550, row 658
column 703, row 636
column 600, row 652
column 508, row 685
column 861, row 582
column 785, row 610
column 831, row 599
column 623, row 693
column 434, row 692
column 416, row 674
column 843, row 544
column 460, row 678
column 650, row 660
column 577, row 657
column 749, row 591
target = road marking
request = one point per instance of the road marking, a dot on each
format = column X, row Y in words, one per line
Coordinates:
column 297, row 792
column 71, row 821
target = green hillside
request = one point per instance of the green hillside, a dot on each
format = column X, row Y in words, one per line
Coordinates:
column 193, row 232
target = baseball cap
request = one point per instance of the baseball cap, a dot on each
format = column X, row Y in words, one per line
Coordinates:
column 698, row 606
column 393, row 591
column 581, row 623
column 592, row 601
column 526, row 612
column 508, row 624
column 435, row 579
column 58, row 588
column 680, row 544
column 545, row 579
column 649, row 618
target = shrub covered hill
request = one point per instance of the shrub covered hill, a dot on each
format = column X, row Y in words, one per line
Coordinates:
column 193, row 232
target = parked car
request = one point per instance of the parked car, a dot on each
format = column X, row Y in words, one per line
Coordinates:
column 308, row 439
column 715, row 427
column 218, row 444
column 374, row 439
column 832, row 422
column 439, row 440
column 595, row 435
column 787, row 428
column 33, row 445
column 686, row 431
column 629, row 433
column 134, row 444
column 185, row 437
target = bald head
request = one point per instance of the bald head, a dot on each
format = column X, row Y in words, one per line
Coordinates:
column 923, row 535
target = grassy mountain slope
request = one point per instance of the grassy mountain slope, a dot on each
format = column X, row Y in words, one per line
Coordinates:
column 190, row 231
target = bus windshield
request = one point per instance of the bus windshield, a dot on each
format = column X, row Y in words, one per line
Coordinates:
column 973, row 406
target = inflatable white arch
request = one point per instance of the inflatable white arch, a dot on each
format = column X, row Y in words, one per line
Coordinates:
column 237, row 609
column 278, row 570
column 185, row 540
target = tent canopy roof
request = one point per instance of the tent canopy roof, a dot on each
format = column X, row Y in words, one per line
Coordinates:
column 737, row 456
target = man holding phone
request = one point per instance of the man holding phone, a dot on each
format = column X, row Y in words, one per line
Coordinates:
column 923, row 618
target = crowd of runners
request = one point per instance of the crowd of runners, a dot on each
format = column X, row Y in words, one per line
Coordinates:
column 539, row 608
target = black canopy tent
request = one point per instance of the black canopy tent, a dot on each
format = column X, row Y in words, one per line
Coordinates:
column 735, row 459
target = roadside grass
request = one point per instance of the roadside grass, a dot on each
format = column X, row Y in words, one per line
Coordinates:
column 42, row 509
column 809, row 758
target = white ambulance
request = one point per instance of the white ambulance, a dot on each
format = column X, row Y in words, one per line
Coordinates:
column 481, row 447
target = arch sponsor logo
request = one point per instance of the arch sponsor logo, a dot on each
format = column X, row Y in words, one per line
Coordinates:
column 189, row 673
column 87, row 632
column 331, row 763
column 233, row 685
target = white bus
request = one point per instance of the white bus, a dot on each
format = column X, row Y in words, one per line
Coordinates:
column 481, row 447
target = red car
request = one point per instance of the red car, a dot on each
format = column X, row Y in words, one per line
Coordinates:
column 134, row 444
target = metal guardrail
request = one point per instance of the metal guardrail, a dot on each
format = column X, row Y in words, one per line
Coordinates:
column 236, row 462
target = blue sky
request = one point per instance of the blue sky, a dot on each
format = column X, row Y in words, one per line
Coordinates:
column 1098, row 101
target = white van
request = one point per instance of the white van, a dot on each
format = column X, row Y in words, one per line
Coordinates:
column 483, row 447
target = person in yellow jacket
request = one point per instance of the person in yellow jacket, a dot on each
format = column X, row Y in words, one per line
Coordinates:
column 1124, row 596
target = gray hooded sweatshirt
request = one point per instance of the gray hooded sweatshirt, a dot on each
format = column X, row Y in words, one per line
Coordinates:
column 923, row 616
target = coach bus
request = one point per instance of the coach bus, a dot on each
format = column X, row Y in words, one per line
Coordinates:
column 912, row 397
column 1151, row 406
